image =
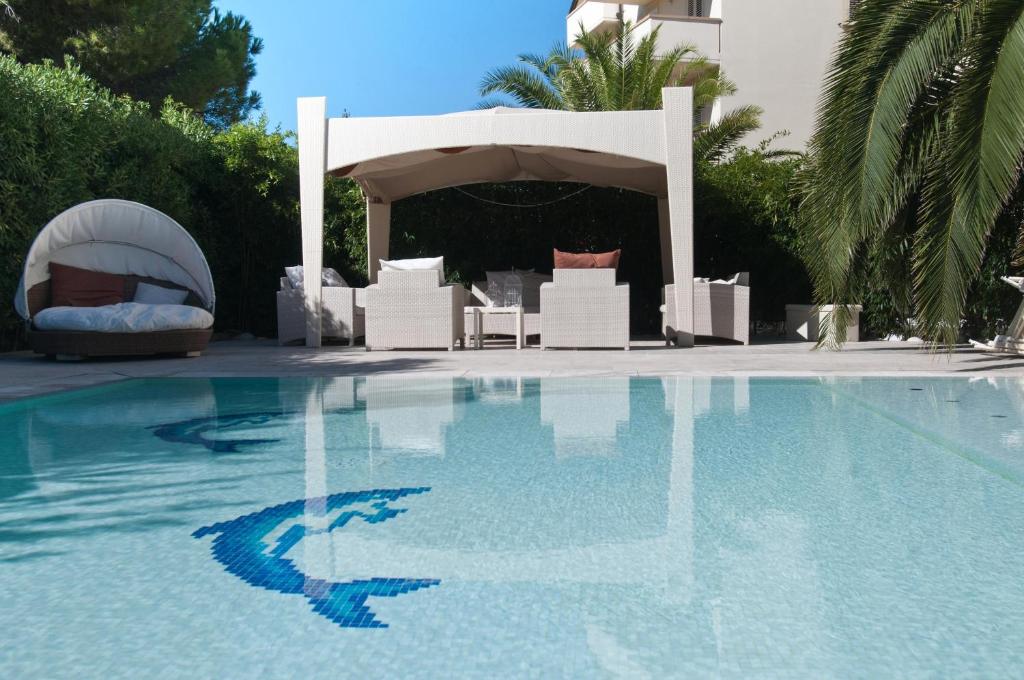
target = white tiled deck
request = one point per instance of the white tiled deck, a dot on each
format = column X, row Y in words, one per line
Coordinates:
column 23, row 374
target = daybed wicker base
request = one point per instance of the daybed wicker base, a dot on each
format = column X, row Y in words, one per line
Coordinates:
column 69, row 344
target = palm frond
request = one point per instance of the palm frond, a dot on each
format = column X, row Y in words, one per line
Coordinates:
column 718, row 139
column 523, row 85
column 981, row 167
column 492, row 103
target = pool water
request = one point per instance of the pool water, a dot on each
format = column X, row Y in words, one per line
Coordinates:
column 390, row 527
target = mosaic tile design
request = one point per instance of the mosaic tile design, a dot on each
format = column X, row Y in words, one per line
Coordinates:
column 239, row 545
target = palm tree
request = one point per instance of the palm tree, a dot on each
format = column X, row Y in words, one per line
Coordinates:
column 615, row 72
column 918, row 145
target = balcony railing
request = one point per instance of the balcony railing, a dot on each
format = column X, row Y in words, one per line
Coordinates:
column 703, row 33
column 596, row 17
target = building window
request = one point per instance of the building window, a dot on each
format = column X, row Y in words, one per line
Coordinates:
column 853, row 7
column 695, row 8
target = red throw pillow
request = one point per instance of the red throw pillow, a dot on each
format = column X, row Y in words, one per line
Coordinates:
column 608, row 260
column 75, row 287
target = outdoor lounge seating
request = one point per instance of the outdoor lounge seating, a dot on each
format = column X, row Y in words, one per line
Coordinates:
column 343, row 313
column 584, row 308
column 720, row 309
column 1011, row 342
column 413, row 310
column 392, row 158
column 111, row 278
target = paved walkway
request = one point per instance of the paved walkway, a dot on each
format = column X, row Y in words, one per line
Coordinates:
column 23, row 374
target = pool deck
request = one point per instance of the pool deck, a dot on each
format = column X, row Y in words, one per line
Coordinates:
column 23, row 374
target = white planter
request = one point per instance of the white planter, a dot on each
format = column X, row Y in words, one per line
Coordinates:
column 803, row 322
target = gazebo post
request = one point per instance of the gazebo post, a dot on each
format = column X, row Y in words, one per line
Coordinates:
column 378, row 235
column 677, row 103
column 665, row 234
column 312, row 141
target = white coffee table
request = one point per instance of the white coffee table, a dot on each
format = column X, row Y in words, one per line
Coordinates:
column 478, row 324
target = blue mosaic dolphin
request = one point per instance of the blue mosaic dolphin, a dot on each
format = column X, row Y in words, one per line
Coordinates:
column 240, row 545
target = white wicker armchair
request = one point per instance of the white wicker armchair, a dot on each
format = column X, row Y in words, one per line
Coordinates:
column 720, row 310
column 410, row 309
column 342, row 313
column 584, row 308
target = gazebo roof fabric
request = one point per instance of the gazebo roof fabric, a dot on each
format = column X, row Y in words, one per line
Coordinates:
column 392, row 158
column 392, row 177
column 395, row 177
column 119, row 237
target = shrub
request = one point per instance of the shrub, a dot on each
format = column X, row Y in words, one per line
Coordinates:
column 743, row 221
column 67, row 140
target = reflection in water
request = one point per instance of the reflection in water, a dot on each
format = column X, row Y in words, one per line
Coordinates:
column 585, row 414
column 412, row 416
column 197, row 430
column 647, row 545
column 604, row 525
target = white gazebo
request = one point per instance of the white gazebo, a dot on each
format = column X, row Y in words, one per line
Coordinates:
column 392, row 158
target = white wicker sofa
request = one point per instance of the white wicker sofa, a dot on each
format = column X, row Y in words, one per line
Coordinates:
column 584, row 308
column 412, row 310
column 720, row 310
column 343, row 313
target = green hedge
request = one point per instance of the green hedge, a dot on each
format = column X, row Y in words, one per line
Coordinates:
column 67, row 140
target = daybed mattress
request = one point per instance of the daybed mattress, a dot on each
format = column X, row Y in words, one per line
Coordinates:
column 126, row 317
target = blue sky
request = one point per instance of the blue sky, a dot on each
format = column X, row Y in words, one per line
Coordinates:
column 390, row 57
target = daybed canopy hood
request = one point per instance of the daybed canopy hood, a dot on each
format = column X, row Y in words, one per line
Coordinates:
column 119, row 237
column 392, row 158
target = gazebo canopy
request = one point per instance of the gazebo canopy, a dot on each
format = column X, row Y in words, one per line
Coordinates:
column 391, row 178
column 392, row 158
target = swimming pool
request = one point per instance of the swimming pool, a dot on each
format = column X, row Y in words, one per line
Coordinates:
column 392, row 527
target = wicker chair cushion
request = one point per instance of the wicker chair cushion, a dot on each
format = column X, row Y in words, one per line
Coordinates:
column 416, row 264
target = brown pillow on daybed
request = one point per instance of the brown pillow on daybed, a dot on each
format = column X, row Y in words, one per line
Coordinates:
column 608, row 260
column 75, row 287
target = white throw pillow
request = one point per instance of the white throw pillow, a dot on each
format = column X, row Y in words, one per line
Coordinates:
column 294, row 275
column 332, row 279
column 328, row 277
column 413, row 264
column 149, row 294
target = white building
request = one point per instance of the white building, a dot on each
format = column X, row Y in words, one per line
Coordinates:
column 776, row 51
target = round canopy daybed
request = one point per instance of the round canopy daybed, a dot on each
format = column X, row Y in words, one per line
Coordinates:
column 129, row 240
